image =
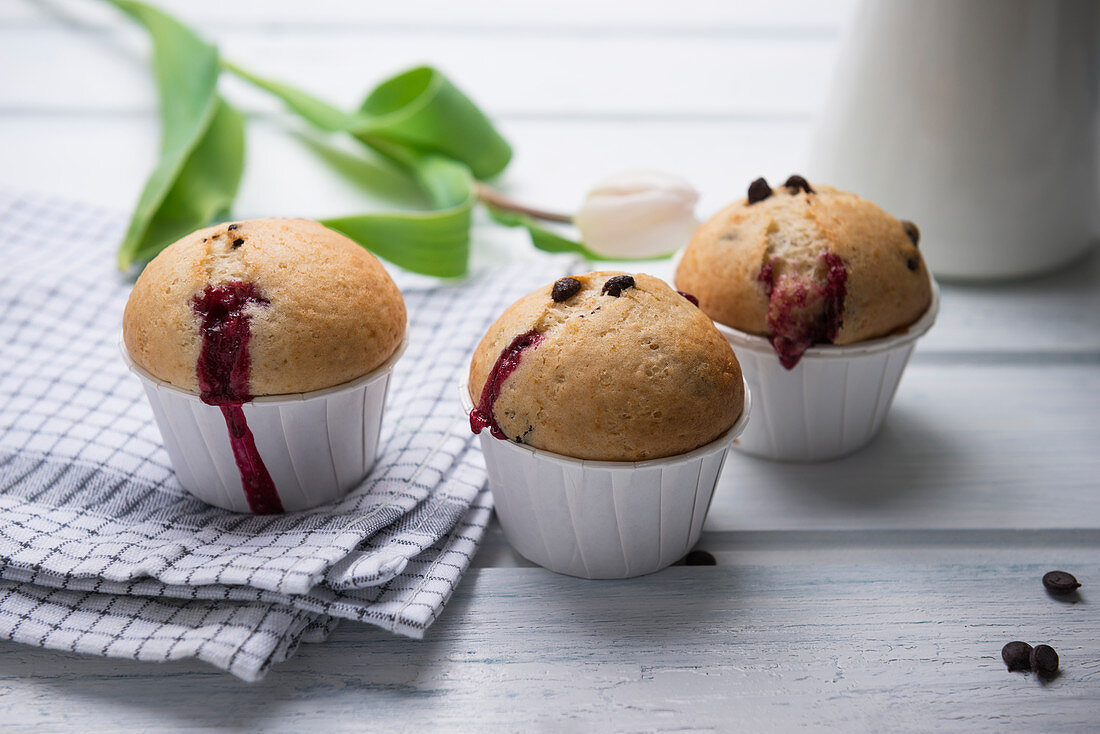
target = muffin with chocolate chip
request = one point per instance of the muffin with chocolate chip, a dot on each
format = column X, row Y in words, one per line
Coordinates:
column 806, row 264
column 834, row 286
column 605, row 366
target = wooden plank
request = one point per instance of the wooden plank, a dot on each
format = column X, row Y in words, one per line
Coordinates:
column 853, row 547
column 506, row 73
column 965, row 446
column 908, row 645
column 1056, row 312
column 547, row 16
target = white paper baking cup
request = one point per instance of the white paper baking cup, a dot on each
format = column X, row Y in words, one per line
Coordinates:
column 835, row 399
column 602, row 519
column 316, row 445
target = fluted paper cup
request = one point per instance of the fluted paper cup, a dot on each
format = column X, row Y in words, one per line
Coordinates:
column 835, row 399
column 316, row 446
column 602, row 519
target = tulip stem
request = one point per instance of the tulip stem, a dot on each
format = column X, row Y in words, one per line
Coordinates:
column 494, row 198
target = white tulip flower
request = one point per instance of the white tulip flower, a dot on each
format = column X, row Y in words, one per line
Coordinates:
column 638, row 215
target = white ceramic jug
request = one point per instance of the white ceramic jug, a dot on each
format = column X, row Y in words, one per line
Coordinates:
column 977, row 119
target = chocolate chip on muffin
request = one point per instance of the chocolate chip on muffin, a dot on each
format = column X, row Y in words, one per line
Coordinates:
column 911, row 231
column 616, row 285
column 564, row 289
column 796, row 183
column 759, row 190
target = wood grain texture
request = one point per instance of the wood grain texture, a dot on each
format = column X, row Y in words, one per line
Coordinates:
column 875, row 646
column 965, row 446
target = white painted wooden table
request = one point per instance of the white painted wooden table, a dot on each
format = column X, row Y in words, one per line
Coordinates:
column 871, row 593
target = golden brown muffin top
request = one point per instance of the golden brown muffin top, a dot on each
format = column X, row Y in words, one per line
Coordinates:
column 615, row 368
column 319, row 309
column 804, row 264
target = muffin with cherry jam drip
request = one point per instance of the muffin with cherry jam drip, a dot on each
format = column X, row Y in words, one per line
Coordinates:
column 320, row 309
column 267, row 307
column 605, row 366
column 805, row 264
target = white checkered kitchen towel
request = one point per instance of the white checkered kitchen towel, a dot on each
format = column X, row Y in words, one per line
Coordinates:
column 102, row 551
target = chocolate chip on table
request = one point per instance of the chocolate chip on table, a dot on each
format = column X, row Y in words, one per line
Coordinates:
column 699, row 558
column 796, row 183
column 1060, row 582
column 759, row 190
column 1044, row 660
column 238, row 242
column 617, row 284
column 912, row 263
column 1017, row 655
column 564, row 289
column 233, row 227
column 912, row 230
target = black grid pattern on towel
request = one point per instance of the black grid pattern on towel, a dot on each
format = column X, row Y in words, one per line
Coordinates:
column 91, row 513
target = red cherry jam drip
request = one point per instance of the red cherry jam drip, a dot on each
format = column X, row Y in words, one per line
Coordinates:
column 802, row 312
column 259, row 490
column 836, row 287
column 693, row 299
column 767, row 276
column 481, row 417
column 223, row 372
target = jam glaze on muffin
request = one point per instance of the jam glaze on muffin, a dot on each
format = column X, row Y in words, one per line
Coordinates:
column 605, row 366
column 805, row 265
column 264, row 307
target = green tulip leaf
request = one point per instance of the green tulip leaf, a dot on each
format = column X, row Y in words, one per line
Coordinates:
column 422, row 110
column 417, row 120
column 313, row 110
column 419, row 109
column 420, row 121
column 541, row 237
column 202, row 140
column 434, row 242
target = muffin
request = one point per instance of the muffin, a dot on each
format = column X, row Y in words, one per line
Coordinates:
column 605, row 366
column 286, row 328
column 611, row 402
column 834, row 286
column 295, row 307
column 804, row 265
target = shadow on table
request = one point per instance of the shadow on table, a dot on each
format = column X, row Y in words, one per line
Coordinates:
column 188, row 693
column 361, row 667
column 903, row 461
column 358, row 659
